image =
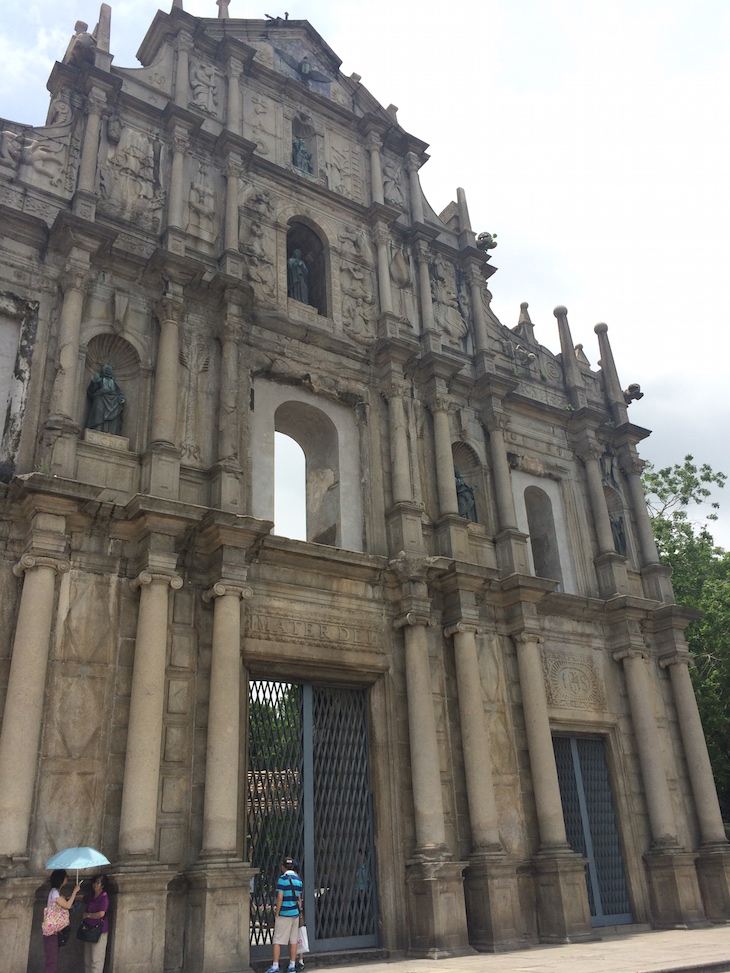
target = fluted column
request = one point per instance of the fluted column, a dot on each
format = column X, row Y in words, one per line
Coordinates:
column 591, row 453
column 382, row 238
column 234, row 69
column 164, row 403
column 90, row 148
column 400, row 474
column 221, row 807
column 475, row 282
column 373, row 145
column 712, row 831
column 496, row 423
column 424, row 285
column 138, row 819
column 543, row 770
column 180, row 144
column 446, row 483
column 648, row 745
column 412, row 167
column 425, row 772
column 475, row 741
column 182, row 73
column 24, row 702
column 74, row 282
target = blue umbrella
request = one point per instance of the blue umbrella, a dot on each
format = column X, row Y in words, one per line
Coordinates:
column 77, row 858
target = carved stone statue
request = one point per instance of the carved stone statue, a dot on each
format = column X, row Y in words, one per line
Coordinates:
column 301, row 157
column 107, row 403
column 81, row 47
column 619, row 534
column 297, row 278
column 465, row 498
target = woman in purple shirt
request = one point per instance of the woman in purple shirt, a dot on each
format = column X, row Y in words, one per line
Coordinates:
column 96, row 913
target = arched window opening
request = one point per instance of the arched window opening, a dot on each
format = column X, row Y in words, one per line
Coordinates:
column 316, row 434
column 543, row 539
column 306, row 267
column 290, row 489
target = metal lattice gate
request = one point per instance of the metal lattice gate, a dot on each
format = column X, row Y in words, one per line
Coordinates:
column 309, row 797
column 590, row 825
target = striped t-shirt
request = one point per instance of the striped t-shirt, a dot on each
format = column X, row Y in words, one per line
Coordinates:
column 291, row 886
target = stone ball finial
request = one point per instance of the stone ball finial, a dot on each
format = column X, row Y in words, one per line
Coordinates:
column 601, row 328
column 560, row 310
column 524, row 306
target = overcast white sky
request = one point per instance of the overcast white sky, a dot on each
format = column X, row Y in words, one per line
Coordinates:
column 591, row 135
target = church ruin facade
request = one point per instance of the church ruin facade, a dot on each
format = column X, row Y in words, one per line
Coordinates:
column 464, row 702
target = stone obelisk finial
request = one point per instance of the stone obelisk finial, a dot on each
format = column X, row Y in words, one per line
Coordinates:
column 223, row 9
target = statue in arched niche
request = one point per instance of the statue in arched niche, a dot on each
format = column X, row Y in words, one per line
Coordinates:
column 297, row 278
column 107, row 403
column 465, row 497
column 303, row 145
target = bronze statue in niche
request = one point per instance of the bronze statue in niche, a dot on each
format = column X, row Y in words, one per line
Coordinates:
column 107, row 403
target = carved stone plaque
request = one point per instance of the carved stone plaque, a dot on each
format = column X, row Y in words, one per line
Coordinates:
column 318, row 629
column 572, row 683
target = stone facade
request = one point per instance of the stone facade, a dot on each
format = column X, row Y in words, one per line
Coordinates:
column 154, row 225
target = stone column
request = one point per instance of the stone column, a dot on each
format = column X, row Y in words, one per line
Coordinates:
column 563, row 913
column 234, row 70
column 475, row 741
column 226, row 481
column 496, row 424
column 610, row 565
column 412, row 167
column 180, row 145
column 24, row 703
column 425, row 772
column 424, row 285
column 164, row 403
column 373, row 145
column 448, row 501
column 631, row 466
column 382, row 238
column 712, row 831
column 182, row 72
column 221, row 808
column 138, row 819
column 90, row 148
column 233, row 171
column 475, row 282
column 400, row 475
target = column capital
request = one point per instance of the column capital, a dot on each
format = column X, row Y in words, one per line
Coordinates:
column 393, row 388
column 414, row 618
column 421, row 251
column 631, row 463
column 631, row 652
column 234, row 67
column 679, row 658
column 439, row 402
column 524, row 638
column 589, row 449
column 75, row 277
column 412, row 162
column 473, row 275
column 184, row 41
column 180, row 141
column 495, row 421
column 462, row 628
column 95, row 102
column 221, row 588
column 233, row 168
column 170, row 308
column 381, row 233
column 30, row 561
column 373, row 142
column 147, row 577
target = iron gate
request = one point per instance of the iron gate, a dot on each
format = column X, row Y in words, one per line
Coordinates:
column 590, row 824
column 309, row 797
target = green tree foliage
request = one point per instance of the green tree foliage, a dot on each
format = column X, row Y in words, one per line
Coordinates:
column 701, row 579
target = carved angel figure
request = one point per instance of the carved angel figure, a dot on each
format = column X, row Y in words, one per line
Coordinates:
column 204, row 88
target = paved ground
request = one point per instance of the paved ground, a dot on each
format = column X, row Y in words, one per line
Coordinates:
column 699, row 950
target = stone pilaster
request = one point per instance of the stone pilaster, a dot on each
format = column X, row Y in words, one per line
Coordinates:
column 84, row 199
column 382, row 238
column 221, row 807
column 610, row 566
column 404, row 517
column 422, row 254
column 510, row 542
column 23, row 716
column 439, row 404
column 161, row 465
column 183, row 45
column 412, row 167
column 175, row 231
column 227, row 475
column 17, row 899
column 655, row 576
column 140, row 916
column 138, row 820
column 234, row 70
column 563, row 913
column 217, row 890
column 475, row 283
column 231, row 262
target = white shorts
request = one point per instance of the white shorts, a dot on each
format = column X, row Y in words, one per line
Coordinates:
column 286, row 930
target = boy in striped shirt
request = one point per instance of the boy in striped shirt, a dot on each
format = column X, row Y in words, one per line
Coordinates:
column 288, row 907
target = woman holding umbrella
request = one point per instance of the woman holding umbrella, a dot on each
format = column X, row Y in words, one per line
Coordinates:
column 50, row 943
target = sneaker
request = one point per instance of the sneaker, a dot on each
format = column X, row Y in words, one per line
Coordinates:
column 300, row 966
column 273, row 969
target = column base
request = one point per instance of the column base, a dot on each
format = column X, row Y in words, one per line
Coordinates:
column 84, row 204
column 512, row 557
column 404, row 525
column 141, row 919
column 161, row 471
column 225, row 487
column 493, row 912
column 452, row 537
column 613, row 578
column 713, row 875
column 22, row 946
column 217, row 927
column 674, row 890
column 563, row 913
column 437, row 914
column 231, row 264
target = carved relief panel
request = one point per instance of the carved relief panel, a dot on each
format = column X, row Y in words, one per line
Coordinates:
column 130, row 176
column 47, row 156
column 206, row 87
column 449, row 312
column 260, row 122
column 196, row 398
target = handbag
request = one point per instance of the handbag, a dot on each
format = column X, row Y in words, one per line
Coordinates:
column 55, row 919
column 64, row 935
column 89, row 934
column 303, row 941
